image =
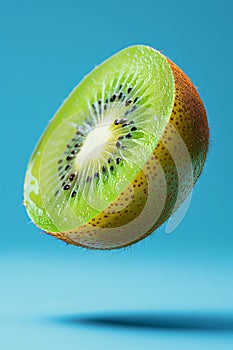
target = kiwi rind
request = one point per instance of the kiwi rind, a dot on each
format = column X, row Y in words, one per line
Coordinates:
column 189, row 119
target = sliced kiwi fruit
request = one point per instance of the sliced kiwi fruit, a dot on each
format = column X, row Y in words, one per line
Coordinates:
column 120, row 155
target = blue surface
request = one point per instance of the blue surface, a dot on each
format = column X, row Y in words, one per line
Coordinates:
column 167, row 292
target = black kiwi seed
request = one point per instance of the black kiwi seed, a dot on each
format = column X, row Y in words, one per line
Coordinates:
column 77, row 145
column 99, row 102
column 62, row 177
column 60, row 167
column 124, row 125
column 105, row 107
column 66, row 187
column 72, row 176
column 79, row 132
column 128, row 101
column 131, row 122
column 56, row 193
column 109, row 160
column 96, row 174
column 120, row 137
column 129, row 90
column 135, row 100
column 106, row 101
column 120, row 95
column 133, row 128
column 111, row 168
column 73, row 194
column 63, row 184
column 113, row 98
column 120, row 87
column 118, row 160
column 104, row 169
column 128, row 135
column 74, row 151
column 67, row 167
column 116, row 121
column 88, row 179
column 122, row 121
column 118, row 144
column 69, row 157
column 60, row 161
column 68, row 146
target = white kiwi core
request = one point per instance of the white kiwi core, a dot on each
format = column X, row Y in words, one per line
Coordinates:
column 94, row 145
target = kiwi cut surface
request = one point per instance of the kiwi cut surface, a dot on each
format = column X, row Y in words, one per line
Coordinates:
column 120, row 155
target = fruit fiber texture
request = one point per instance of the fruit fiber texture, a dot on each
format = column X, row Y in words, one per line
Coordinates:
column 163, row 183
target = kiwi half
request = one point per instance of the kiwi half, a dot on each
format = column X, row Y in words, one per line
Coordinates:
column 120, row 155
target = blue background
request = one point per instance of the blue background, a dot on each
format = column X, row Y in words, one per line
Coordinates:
column 169, row 291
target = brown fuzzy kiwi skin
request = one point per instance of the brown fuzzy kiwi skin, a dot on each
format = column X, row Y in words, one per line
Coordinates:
column 189, row 118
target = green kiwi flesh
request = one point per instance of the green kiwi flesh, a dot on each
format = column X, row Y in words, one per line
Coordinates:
column 73, row 174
